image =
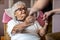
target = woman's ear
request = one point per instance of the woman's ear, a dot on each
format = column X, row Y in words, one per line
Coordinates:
column 15, row 14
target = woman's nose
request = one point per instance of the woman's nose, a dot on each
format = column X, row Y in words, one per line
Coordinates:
column 23, row 11
column 20, row 12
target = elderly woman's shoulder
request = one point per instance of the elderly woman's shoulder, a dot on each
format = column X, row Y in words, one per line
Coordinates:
column 11, row 21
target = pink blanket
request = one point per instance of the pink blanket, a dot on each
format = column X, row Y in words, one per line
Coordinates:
column 6, row 18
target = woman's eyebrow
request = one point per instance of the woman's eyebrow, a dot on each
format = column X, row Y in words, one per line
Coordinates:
column 21, row 8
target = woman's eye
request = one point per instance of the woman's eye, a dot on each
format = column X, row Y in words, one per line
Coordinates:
column 20, row 9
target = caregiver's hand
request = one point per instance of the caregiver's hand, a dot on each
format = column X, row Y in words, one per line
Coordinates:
column 46, row 15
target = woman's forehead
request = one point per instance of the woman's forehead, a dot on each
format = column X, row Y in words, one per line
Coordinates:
column 20, row 6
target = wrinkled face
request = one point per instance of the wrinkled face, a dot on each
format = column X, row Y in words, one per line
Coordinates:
column 21, row 13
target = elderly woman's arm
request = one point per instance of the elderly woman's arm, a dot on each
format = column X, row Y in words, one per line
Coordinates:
column 13, row 27
column 20, row 27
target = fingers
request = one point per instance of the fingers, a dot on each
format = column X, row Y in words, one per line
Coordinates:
column 44, row 17
column 30, row 24
column 42, row 33
column 46, row 23
column 29, row 20
column 31, row 12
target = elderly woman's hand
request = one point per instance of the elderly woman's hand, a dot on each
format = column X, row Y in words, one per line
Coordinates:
column 42, row 32
column 29, row 20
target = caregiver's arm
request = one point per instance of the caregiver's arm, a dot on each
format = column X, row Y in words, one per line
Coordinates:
column 48, row 13
column 38, row 5
column 55, row 10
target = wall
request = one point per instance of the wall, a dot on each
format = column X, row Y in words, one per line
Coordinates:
column 26, row 1
column 2, row 7
column 56, row 23
column 56, row 17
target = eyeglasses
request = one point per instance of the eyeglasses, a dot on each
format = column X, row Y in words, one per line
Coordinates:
column 20, row 9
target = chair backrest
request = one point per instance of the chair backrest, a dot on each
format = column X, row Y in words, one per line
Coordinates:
column 6, row 36
column 5, row 20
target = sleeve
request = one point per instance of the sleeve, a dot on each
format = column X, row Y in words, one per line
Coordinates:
column 10, row 26
column 38, row 25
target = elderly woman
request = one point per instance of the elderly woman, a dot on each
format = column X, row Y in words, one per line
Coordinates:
column 41, row 3
column 22, row 26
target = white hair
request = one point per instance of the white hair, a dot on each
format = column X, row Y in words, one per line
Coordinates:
column 11, row 11
column 18, row 3
column 15, row 6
